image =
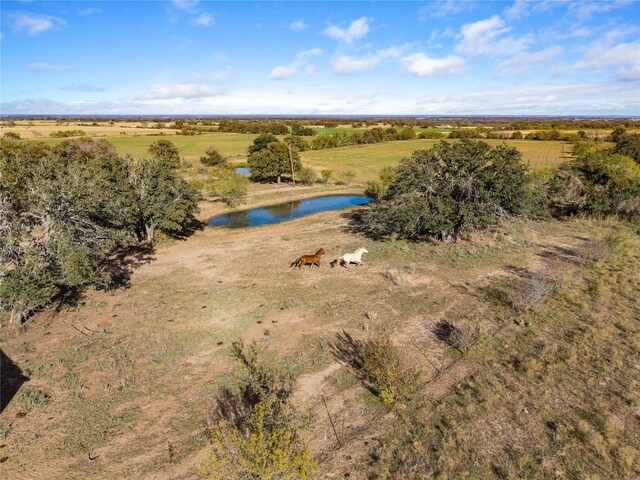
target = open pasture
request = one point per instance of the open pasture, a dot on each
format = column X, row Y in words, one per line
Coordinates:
column 367, row 160
column 191, row 147
column 129, row 375
column 42, row 129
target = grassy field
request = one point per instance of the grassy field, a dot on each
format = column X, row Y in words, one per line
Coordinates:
column 121, row 381
column 367, row 160
column 191, row 147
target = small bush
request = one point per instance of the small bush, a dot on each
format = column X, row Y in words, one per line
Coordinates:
column 264, row 453
column 12, row 136
column 534, row 288
column 378, row 364
column 397, row 277
column 459, row 337
column 255, row 432
column 212, row 157
column 34, row 398
column 348, row 176
column 307, row 176
column 326, row 176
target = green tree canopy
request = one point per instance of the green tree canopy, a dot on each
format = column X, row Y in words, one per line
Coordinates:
column 261, row 142
column 448, row 189
column 272, row 162
column 65, row 210
column 165, row 150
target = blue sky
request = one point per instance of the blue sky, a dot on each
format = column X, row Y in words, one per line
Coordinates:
column 204, row 57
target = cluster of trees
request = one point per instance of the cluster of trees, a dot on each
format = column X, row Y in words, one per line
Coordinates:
column 67, row 133
column 270, row 159
column 65, row 210
column 251, row 126
column 455, row 187
column 343, row 139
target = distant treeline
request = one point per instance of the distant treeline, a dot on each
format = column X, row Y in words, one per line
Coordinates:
column 275, row 124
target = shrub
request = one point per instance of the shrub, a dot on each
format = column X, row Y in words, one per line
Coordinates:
column 534, row 288
column 212, row 157
column 265, row 453
column 450, row 188
column 326, row 176
column 12, row 136
column 374, row 189
column 378, row 364
column 256, row 432
column 598, row 183
column 307, row 176
column 34, row 398
column 461, row 337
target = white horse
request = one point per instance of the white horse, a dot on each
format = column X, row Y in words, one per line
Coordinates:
column 347, row 258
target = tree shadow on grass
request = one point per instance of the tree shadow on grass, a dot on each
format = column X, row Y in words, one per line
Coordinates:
column 191, row 227
column 121, row 266
column 11, row 381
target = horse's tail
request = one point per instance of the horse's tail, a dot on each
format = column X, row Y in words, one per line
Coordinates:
column 296, row 262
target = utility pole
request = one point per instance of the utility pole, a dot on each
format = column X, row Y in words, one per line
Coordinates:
column 293, row 178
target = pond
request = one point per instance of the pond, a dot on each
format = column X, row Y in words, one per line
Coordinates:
column 243, row 170
column 286, row 211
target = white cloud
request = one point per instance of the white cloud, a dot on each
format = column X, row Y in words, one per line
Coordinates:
column 34, row 24
column 422, row 65
column 203, row 19
column 602, row 56
column 179, row 91
column 438, row 34
column 186, row 5
column 89, row 11
column 83, row 87
column 310, row 70
column 523, row 61
column 443, row 8
column 612, row 98
column 304, row 54
column 586, row 9
column 519, row 9
column 486, row 37
column 50, row 67
column 357, row 29
column 298, row 25
column 348, row 64
column 283, row 71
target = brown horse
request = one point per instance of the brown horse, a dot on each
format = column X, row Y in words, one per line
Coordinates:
column 310, row 260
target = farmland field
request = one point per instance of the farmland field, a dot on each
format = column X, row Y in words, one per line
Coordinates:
column 367, row 160
column 233, row 145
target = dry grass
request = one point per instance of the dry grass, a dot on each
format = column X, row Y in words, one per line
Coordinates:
column 134, row 388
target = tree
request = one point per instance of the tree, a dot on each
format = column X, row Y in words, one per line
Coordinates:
column 628, row 144
column 164, row 150
column 296, row 141
column 272, row 162
column 212, row 157
column 599, row 183
column 230, row 186
column 65, row 210
column 449, row 189
column 261, row 142
column 164, row 201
